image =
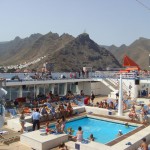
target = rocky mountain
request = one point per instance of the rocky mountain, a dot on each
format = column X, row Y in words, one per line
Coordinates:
column 139, row 51
column 83, row 52
column 66, row 52
column 10, row 52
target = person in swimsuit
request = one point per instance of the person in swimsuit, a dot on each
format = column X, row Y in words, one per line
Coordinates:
column 48, row 129
column 62, row 146
column 58, row 126
column 144, row 145
column 79, row 135
column 69, row 109
column 133, row 114
column 91, row 138
column 22, row 121
column 63, row 123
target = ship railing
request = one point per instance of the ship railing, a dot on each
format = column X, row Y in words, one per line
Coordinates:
column 113, row 74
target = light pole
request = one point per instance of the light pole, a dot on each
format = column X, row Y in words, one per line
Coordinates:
column 120, row 110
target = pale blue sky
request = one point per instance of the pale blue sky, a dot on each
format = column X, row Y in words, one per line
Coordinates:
column 106, row 21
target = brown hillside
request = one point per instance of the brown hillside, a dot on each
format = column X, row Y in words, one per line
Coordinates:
column 138, row 51
column 65, row 51
column 81, row 52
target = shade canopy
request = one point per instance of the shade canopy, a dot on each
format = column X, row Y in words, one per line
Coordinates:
column 128, row 62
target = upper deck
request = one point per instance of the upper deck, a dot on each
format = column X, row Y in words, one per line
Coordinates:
column 95, row 76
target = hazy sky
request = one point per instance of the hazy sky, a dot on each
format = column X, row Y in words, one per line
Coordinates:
column 106, row 21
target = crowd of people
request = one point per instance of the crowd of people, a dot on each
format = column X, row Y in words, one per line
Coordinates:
column 63, row 109
column 110, row 104
column 137, row 111
column 140, row 114
column 50, row 106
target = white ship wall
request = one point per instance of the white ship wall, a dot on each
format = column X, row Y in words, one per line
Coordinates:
column 85, row 86
column 129, row 85
column 99, row 88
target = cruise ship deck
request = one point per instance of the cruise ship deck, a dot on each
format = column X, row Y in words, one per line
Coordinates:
column 101, row 84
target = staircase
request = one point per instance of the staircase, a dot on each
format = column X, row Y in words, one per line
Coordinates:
column 108, row 84
column 113, row 84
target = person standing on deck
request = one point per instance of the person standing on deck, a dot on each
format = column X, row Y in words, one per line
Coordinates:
column 92, row 97
column 36, row 119
column 22, row 121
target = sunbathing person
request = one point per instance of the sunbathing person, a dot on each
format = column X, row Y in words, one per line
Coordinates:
column 62, row 146
column 69, row 95
column 35, row 103
column 44, row 112
column 133, row 114
column 101, row 104
column 69, row 109
column 73, row 104
column 62, row 110
column 111, row 105
column 124, row 106
column 144, row 145
column 53, row 112
column 51, row 96
column 82, row 93
column 105, row 105
column 48, row 129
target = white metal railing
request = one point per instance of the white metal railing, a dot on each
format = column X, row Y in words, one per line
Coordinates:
column 113, row 74
column 76, row 75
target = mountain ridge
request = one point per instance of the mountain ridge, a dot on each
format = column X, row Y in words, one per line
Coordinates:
column 139, row 51
column 65, row 51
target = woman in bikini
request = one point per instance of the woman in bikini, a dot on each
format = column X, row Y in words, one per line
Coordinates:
column 22, row 121
column 133, row 114
column 63, row 123
column 58, row 126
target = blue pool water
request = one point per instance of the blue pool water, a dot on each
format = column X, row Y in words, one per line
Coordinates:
column 103, row 131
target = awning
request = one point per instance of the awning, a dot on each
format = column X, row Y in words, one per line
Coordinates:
column 128, row 62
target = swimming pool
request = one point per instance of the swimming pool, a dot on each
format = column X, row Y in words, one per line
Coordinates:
column 103, row 131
